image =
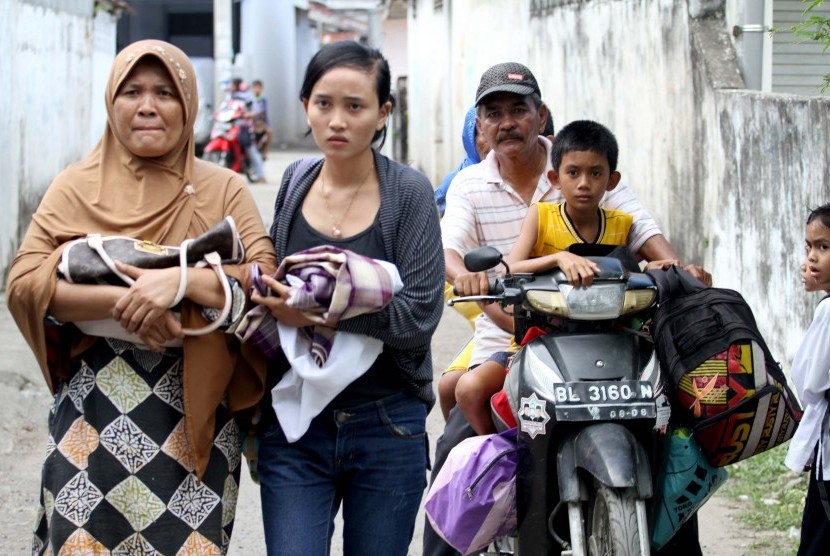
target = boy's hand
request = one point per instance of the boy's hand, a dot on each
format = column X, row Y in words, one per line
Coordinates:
column 579, row 270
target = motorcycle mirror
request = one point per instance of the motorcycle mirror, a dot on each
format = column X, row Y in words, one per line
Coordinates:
column 483, row 258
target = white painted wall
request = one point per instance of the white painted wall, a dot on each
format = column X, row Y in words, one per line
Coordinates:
column 727, row 172
column 276, row 46
column 393, row 44
column 52, row 82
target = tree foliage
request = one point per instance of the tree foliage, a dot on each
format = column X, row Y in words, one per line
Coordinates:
column 816, row 28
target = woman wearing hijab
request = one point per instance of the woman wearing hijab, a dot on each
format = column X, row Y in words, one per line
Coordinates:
column 143, row 452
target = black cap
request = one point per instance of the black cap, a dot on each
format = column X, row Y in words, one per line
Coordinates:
column 509, row 77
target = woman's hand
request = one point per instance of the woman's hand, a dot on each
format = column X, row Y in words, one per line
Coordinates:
column 162, row 331
column 276, row 304
column 147, row 300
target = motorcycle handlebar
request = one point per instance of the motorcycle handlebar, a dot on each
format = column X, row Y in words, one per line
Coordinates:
column 495, row 293
column 495, row 289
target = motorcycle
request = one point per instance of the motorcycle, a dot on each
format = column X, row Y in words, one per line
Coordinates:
column 225, row 147
column 587, row 397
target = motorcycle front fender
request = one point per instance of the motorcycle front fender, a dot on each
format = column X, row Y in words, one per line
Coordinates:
column 608, row 451
column 217, row 144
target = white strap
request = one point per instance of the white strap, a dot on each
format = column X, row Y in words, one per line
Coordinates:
column 215, row 261
column 96, row 242
column 182, row 272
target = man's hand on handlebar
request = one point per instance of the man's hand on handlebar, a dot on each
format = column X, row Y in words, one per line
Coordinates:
column 471, row 283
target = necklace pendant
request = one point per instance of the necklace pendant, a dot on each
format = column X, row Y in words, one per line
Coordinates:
column 335, row 231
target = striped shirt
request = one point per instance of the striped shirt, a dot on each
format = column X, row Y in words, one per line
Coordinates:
column 483, row 209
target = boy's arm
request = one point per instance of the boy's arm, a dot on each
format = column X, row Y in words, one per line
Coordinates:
column 519, row 259
column 580, row 271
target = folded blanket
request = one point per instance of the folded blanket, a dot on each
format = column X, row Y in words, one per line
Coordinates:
column 328, row 284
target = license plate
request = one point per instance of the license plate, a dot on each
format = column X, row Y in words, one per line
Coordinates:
column 604, row 400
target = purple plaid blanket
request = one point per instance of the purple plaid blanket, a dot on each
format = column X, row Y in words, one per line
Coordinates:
column 328, row 284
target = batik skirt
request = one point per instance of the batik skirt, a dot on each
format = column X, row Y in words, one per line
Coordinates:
column 119, row 472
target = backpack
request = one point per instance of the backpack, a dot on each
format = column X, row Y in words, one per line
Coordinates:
column 472, row 500
column 726, row 384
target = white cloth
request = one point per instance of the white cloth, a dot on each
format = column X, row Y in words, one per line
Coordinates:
column 483, row 209
column 811, row 378
column 306, row 388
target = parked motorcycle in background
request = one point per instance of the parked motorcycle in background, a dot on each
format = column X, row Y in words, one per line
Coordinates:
column 587, row 397
column 225, row 147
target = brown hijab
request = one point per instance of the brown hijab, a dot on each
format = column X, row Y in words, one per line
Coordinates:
column 165, row 200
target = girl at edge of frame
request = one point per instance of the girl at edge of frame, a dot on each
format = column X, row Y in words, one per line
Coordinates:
column 368, row 448
column 810, row 446
column 143, row 452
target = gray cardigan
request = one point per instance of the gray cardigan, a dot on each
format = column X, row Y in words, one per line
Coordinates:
column 412, row 242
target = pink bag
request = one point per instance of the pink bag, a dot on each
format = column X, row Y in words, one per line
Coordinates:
column 472, row 500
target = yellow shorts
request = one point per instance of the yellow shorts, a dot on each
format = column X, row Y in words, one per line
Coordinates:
column 461, row 362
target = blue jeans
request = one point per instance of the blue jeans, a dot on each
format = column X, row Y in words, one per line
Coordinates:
column 255, row 159
column 372, row 458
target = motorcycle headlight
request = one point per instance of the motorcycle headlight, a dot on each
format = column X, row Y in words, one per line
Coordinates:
column 597, row 302
column 547, row 302
column 600, row 301
column 637, row 300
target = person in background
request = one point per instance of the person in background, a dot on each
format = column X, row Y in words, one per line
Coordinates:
column 476, row 148
column 367, row 449
column 143, row 453
column 262, row 129
column 239, row 91
column 809, row 448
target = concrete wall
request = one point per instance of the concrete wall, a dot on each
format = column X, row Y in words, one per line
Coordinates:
column 729, row 173
column 52, row 85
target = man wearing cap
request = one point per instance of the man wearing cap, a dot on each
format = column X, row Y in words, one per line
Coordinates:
column 486, row 205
